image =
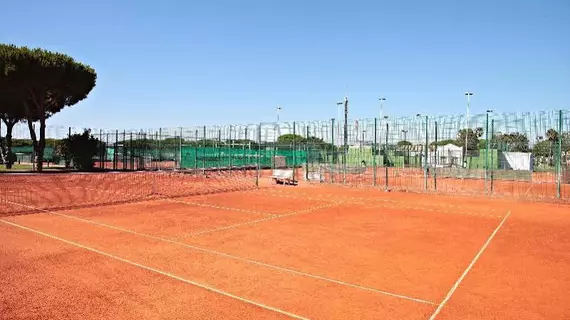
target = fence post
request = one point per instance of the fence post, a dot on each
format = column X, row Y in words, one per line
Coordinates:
column 386, row 157
column 180, row 150
column 486, row 150
column 435, row 159
column 196, row 152
column 374, row 164
column 294, row 151
column 204, row 152
column 333, row 151
column 559, row 156
column 231, row 151
column 132, row 157
column 115, row 150
column 307, row 155
column 426, row 165
column 258, row 155
column 276, row 128
column 492, row 155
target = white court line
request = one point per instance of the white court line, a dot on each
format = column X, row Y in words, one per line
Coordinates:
column 454, row 287
column 391, row 205
column 207, row 205
column 212, row 289
column 229, row 256
column 324, row 197
column 233, row 226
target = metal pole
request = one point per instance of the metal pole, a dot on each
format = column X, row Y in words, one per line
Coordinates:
column 435, row 159
column 468, row 94
column 374, row 165
column 180, row 150
column 258, row 155
column 278, row 109
column 345, row 137
column 294, row 151
column 559, row 157
column 231, row 151
column 386, row 158
column 486, row 150
column 204, row 152
column 492, row 158
column 333, row 151
column 307, row 156
column 426, row 158
column 196, row 152
column 115, row 150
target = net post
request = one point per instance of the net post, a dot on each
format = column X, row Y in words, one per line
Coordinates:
column 386, row 157
column 294, row 150
column 426, row 168
column 559, row 156
column 374, row 164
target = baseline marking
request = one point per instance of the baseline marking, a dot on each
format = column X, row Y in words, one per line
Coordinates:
column 167, row 274
column 454, row 287
column 229, row 256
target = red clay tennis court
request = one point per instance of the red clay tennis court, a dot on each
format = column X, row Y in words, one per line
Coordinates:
column 171, row 246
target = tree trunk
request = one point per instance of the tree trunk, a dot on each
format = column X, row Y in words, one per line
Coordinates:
column 41, row 144
column 33, row 137
column 10, row 123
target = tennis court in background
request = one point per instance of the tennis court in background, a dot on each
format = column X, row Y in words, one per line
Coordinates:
column 226, row 245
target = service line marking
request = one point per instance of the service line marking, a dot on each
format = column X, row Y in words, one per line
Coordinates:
column 237, row 225
column 164, row 273
column 237, row 258
column 464, row 274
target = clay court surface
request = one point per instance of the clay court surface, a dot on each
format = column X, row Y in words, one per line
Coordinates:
column 284, row 252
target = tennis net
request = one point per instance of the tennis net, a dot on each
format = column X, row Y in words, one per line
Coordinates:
column 29, row 193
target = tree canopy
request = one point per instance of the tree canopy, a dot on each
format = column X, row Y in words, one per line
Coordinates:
column 36, row 83
column 514, row 142
column 472, row 137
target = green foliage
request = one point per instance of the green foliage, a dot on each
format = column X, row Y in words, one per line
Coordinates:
column 290, row 139
column 403, row 143
column 81, row 148
column 514, row 142
column 472, row 138
column 312, row 142
column 446, row 142
column 40, row 83
column 543, row 148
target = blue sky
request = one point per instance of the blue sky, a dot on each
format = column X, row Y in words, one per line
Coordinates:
column 185, row 63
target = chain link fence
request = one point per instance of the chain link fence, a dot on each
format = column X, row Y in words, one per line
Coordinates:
column 523, row 155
